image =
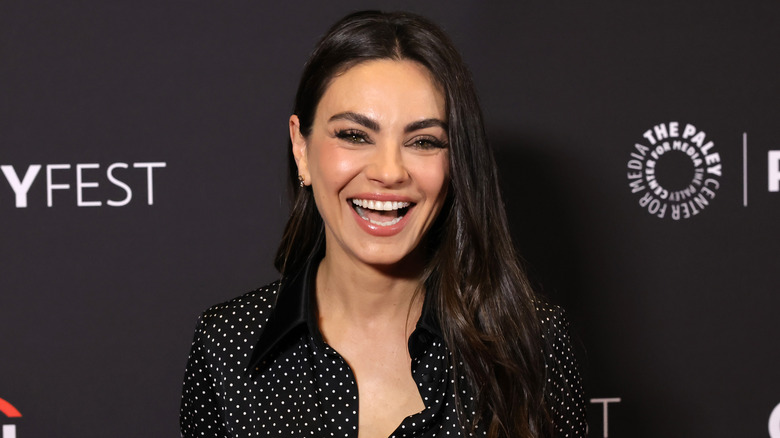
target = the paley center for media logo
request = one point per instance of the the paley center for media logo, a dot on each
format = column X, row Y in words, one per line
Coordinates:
column 10, row 412
column 675, row 170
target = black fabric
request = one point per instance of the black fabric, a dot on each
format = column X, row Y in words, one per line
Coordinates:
column 259, row 367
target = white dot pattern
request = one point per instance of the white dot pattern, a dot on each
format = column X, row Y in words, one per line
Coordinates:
column 304, row 388
column 564, row 396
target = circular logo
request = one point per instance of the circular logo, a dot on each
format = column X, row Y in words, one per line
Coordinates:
column 675, row 171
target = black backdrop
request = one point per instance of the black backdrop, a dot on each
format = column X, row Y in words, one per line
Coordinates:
column 172, row 116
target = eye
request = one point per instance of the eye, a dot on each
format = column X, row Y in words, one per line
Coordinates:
column 427, row 142
column 353, row 136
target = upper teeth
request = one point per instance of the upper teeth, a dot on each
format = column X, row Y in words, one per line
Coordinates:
column 380, row 205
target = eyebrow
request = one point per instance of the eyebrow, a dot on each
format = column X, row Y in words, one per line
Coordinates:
column 360, row 119
column 425, row 123
column 374, row 126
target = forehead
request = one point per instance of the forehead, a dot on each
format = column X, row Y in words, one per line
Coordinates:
column 390, row 90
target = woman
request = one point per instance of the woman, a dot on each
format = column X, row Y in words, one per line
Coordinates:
column 402, row 309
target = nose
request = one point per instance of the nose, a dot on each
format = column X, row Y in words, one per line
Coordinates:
column 387, row 165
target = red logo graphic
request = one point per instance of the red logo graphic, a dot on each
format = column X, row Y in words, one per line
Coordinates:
column 9, row 410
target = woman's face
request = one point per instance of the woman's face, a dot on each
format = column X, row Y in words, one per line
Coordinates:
column 377, row 160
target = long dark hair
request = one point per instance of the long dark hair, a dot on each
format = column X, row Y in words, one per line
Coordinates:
column 482, row 298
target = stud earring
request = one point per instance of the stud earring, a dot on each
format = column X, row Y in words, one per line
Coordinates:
column 300, row 181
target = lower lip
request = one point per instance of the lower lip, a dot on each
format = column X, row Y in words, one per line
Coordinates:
column 379, row 230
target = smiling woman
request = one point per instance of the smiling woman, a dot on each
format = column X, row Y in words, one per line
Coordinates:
column 376, row 160
column 402, row 308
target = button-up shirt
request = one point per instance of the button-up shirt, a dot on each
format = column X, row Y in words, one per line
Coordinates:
column 259, row 367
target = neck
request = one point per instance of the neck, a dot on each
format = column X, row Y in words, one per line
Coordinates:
column 368, row 296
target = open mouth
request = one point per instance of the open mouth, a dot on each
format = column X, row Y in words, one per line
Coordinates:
column 381, row 213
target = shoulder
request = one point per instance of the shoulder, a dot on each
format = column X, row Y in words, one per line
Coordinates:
column 249, row 311
column 262, row 297
column 556, row 338
column 555, row 325
column 560, row 358
column 564, row 392
column 223, row 339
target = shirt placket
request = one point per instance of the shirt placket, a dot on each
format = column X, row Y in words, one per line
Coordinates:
column 429, row 370
column 337, row 391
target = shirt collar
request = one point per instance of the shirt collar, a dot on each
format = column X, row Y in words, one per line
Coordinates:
column 289, row 316
column 295, row 311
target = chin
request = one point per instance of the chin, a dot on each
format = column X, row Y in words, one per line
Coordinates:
column 406, row 262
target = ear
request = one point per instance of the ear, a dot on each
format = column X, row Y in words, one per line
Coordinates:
column 299, row 149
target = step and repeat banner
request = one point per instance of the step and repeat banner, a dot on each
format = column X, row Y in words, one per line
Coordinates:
column 143, row 157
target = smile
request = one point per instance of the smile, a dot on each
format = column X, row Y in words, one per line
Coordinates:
column 380, row 213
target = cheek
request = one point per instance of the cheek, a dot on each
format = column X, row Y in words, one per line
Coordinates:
column 433, row 176
column 345, row 163
column 333, row 166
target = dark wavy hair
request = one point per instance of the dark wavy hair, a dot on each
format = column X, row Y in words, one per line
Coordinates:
column 473, row 279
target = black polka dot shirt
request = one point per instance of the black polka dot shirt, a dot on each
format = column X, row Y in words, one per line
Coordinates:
column 259, row 367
